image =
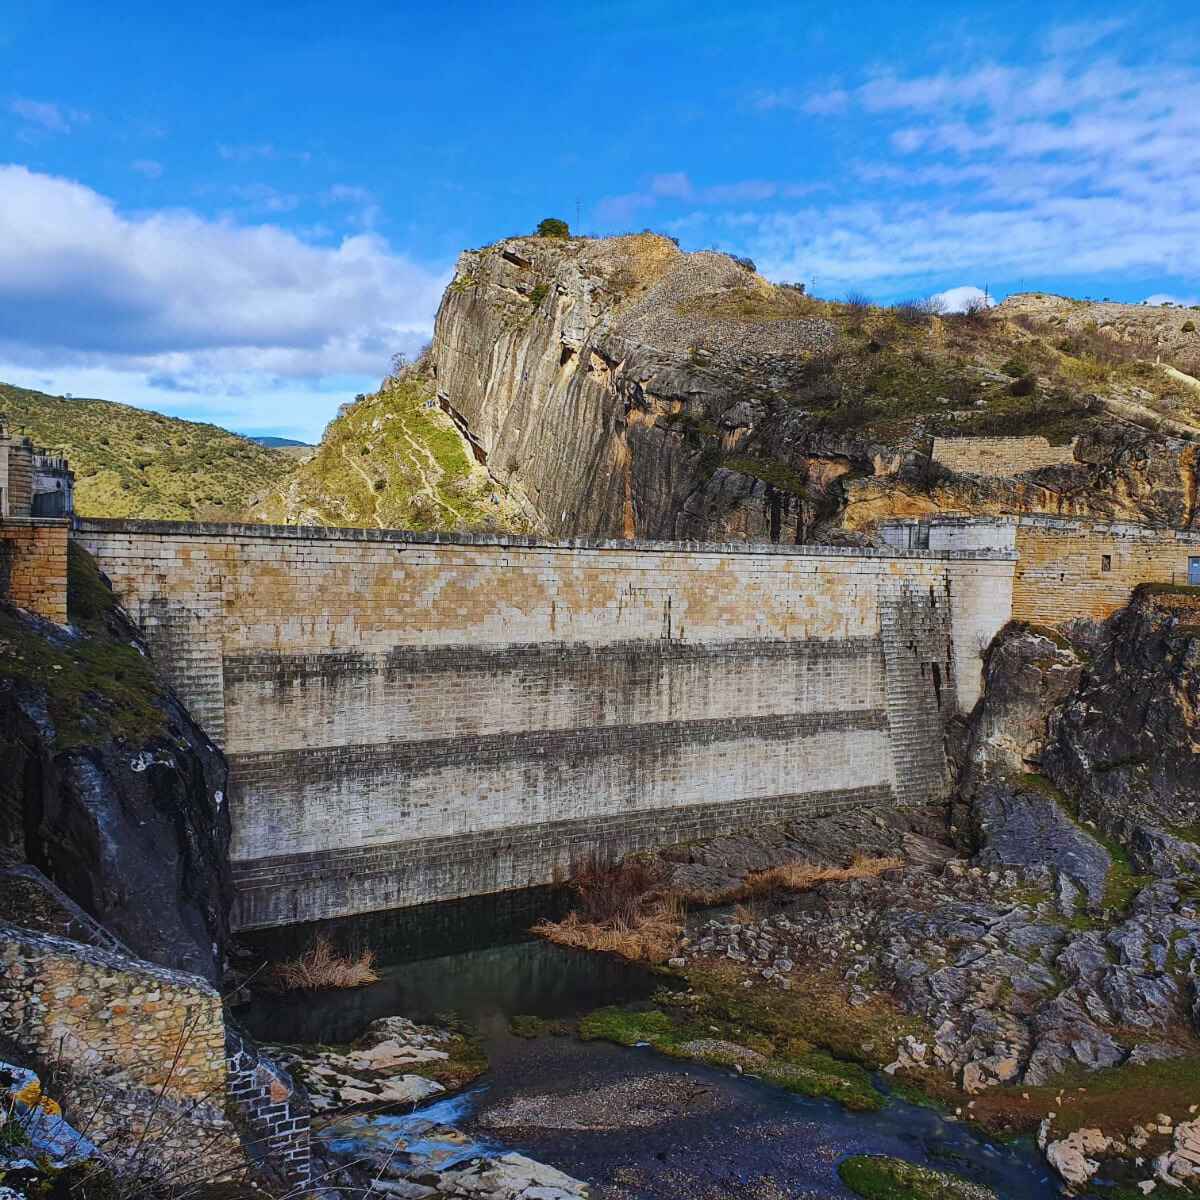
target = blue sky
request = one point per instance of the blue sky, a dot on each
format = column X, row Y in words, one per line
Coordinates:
column 237, row 213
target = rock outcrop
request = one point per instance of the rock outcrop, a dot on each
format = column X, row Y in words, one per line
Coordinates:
column 107, row 784
column 629, row 389
column 1126, row 745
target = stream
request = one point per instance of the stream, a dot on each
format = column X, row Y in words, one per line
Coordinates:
column 636, row 1124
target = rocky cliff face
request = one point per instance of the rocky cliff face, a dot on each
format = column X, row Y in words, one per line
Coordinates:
column 106, row 783
column 1126, row 745
column 629, row 389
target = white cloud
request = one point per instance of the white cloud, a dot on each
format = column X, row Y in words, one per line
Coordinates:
column 45, row 116
column 1069, row 164
column 172, row 295
column 1177, row 301
column 147, row 167
column 959, row 299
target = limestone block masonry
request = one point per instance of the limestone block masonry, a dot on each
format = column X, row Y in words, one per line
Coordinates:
column 411, row 718
column 144, row 1047
column 33, row 565
column 1001, row 456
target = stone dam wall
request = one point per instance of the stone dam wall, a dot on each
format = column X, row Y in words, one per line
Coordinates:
column 412, row 718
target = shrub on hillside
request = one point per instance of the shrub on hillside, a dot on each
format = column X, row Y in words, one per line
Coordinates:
column 552, row 227
column 916, row 312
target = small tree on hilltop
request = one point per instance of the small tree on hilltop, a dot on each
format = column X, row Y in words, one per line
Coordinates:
column 552, row 227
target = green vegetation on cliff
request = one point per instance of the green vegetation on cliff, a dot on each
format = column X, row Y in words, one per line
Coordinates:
column 393, row 460
column 130, row 462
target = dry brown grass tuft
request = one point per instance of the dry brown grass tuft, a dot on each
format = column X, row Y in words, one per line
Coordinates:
column 649, row 935
column 791, row 877
column 321, row 966
column 800, row 877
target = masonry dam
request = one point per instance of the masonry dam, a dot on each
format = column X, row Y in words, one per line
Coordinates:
column 412, row 718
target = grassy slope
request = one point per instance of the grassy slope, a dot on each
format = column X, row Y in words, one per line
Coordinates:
column 132, row 463
column 899, row 376
column 392, row 460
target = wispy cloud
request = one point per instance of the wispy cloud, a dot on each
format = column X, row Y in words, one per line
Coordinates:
column 264, row 198
column 44, row 116
column 147, row 167
column 678, row 186
column 1072, row 162
column 259, row 152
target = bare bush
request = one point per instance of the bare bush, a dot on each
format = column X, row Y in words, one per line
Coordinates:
column 917, row 312
column 622, row 908
column 857, row 302
column 321, row 966
column 612, row 890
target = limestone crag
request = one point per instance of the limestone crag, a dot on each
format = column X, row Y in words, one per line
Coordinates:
column 1009, row 993
column 592, row 377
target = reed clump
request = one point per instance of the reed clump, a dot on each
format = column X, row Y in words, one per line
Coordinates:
column 323, row 966
column 791, row 877
column 621, row 907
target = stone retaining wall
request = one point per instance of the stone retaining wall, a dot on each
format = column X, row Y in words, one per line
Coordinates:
column 1004, row 456
column 1069, row 569
column 143, row 1049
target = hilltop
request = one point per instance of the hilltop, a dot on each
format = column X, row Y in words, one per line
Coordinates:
column 629, row 388
column 130, row 462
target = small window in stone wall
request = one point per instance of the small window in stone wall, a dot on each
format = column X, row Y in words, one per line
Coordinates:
column 1106, row 562
column 1194, row 572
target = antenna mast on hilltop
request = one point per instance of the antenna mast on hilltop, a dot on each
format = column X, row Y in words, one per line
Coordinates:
column 576, row 214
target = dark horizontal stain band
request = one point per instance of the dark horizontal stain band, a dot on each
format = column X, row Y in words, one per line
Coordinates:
column 327, row 764
column 459, row 659
column 682, row 822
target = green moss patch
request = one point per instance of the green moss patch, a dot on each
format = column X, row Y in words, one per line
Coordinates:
column 877, row 1177
column 693, row 1028
column 1114, row 1100
column 524, row 1026
column 777, row 474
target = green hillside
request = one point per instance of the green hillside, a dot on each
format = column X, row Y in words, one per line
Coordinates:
column 393, row 460
column 132, row 463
